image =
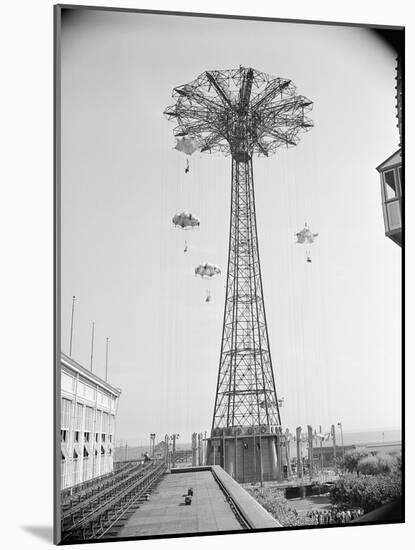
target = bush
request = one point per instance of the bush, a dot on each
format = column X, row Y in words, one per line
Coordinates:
column 352, row 459
column 377, row 464
column 366, row 491
column 369, row 465
column 273, row 500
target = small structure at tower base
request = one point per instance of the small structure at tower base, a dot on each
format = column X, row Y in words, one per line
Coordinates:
column 252, row 455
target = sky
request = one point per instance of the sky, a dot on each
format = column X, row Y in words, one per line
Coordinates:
column 334, row 325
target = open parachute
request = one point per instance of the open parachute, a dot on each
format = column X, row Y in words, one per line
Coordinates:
column 185, row 220
column 305, row 235
column 207, row 270
column 186, row 145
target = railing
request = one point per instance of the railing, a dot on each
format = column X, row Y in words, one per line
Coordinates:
column 95, row 516
column 102, row 484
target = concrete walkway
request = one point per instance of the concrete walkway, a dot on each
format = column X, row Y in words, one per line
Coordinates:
column 165, row 513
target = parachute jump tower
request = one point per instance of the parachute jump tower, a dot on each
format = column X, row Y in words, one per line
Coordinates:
column 243, row 112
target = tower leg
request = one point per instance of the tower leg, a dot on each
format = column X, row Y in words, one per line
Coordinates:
column 246, row 416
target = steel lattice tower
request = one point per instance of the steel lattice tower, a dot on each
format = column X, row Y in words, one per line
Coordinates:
column 242, row 112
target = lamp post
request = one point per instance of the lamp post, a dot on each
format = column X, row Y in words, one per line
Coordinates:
column 152, row 439
column 299, row 454
column 173, row 438
column 166, row 445
column 261, row 473
column 333, row 436
column 340, row 425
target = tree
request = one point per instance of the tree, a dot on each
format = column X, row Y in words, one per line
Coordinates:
column 369, row 465
column 366, row 491
column 377, row 464
column 352, row 458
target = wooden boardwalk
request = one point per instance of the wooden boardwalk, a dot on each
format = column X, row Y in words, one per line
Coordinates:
column 165, row 513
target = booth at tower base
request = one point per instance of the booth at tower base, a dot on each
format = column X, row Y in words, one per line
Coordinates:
column 247, row 454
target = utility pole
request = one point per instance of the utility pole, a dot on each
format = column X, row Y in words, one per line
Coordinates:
column 299, row 461
column 288, row 453
column 333, row 435
column 310, row 451
column 340, row 425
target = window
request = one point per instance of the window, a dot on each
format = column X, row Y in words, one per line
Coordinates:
column 64, row 435
column 390, row 186
column 86, row 436
column 86, row 454
column 111, row 423
column 77, row 437
column 75, row 454
column 96, row 438
column 89, row 419
column 78, row 416
column 102, row 450
column 103, row 438
column 66, row 408
column 98, row 424
column 105, row 422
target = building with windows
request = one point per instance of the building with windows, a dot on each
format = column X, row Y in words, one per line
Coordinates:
column 88, row 410
column 391, row 175
column 391, row 188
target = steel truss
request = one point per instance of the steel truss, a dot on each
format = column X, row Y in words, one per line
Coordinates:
column 246, row 393
column 242, row 112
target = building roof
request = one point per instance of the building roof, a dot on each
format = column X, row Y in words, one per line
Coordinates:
column 391, row 161
column 69, row 363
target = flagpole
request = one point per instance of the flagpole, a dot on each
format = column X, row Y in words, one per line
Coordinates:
column 92, row 343
column 106, row 361
column 70, row 339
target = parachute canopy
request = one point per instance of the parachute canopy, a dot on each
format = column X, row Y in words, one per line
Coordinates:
column 186, row 145
column 185, row 220
column 207, row 270
column 305, row 235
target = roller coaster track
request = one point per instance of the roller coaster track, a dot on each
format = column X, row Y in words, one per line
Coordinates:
column 99, row 511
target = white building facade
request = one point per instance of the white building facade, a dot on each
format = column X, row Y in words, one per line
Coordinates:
column 88, row 411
